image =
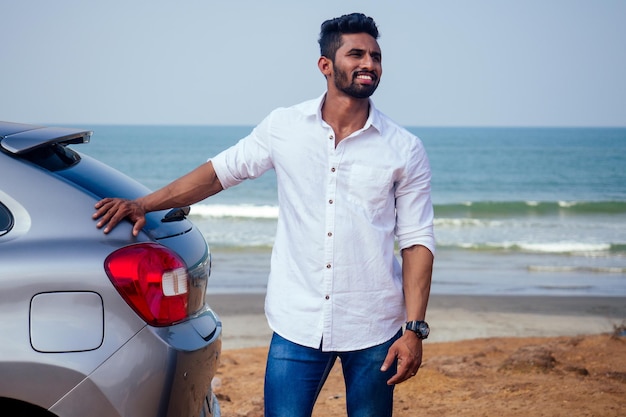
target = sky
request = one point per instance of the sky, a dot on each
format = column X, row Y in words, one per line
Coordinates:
column 205, row 62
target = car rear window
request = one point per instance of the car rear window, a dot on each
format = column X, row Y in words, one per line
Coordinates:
column 54, row 157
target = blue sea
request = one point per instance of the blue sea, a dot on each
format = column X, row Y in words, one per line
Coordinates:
column 526, row 211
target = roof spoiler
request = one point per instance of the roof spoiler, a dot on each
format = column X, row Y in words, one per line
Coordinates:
column 20, row 139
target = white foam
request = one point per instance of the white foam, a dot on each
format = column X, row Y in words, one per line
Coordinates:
column 577, row 248
column 239, row 210
column 564, row 247
column 459, row 222
column 551, row 268
column 572, row 268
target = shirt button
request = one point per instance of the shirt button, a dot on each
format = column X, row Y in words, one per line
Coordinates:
column 327, row 297
column 331, row 137
column 327, row 266
column 330, row 234
column 332, row 169
column 330, row 201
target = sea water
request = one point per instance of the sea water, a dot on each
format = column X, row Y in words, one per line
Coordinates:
column 517, row 210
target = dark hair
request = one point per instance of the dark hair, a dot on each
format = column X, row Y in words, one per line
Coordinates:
column 332, row 29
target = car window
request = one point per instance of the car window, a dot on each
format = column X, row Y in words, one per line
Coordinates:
column 6, row 220
column 54, row 157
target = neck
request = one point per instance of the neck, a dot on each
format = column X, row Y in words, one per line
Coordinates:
column 344, row 114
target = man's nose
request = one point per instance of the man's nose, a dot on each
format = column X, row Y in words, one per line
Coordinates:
column 367, row 62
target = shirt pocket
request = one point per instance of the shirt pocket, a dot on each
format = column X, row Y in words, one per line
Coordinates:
column 369, row 188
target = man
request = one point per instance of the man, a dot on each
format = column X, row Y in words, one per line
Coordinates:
column 350, row 181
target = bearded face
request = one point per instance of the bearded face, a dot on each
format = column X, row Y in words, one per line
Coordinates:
column 357, row 84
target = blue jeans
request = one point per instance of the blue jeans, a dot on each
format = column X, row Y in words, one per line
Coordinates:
column 295, row 375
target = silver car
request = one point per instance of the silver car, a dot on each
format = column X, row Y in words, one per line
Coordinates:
column 93, row 324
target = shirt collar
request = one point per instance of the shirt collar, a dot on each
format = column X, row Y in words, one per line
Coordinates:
column 314, row 108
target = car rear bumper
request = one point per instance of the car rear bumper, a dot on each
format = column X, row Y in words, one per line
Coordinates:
column 159, row 372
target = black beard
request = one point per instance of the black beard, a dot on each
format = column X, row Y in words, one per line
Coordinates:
column 352, row 89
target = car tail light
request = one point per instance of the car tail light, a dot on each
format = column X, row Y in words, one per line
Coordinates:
column 153, row 280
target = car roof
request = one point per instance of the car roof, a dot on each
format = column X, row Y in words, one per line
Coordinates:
column 17, row 138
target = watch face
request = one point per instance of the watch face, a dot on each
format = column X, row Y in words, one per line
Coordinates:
column 424, row 329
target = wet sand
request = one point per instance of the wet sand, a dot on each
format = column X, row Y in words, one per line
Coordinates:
column 452, row 317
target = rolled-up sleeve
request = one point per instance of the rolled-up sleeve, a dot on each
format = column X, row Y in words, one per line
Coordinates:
column 247, row 159
column 414, row 209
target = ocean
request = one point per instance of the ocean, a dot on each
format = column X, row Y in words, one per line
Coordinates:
column 518, row 211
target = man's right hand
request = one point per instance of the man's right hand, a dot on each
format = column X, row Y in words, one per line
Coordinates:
column 111, row 211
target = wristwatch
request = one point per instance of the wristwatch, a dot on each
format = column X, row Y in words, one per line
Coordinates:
column 420, row 328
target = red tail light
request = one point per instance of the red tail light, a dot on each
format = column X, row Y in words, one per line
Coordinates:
column 153, row 280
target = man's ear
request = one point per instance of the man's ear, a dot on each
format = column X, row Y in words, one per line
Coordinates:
column 325, row 65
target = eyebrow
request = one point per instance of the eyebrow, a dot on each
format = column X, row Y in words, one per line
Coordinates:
column 362, row 51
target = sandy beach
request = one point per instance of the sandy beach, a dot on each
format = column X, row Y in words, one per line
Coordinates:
column 487, row 356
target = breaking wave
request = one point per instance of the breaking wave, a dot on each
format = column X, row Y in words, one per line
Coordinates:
column 460, row 214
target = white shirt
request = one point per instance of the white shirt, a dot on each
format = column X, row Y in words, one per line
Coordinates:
column 334, row 277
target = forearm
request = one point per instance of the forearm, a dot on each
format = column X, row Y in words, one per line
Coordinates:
column 417, row 268
column 195, row 186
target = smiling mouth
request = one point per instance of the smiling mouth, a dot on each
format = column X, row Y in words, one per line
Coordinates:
column 365, row 76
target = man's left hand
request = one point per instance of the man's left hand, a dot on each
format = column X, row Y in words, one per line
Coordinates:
column 408, row 350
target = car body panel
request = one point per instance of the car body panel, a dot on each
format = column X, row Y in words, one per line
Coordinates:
column 158, row 370
column 71, row 344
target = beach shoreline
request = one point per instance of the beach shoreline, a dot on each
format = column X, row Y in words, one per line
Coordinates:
column 533, row 344
column 470, row 273
column 451, row 317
